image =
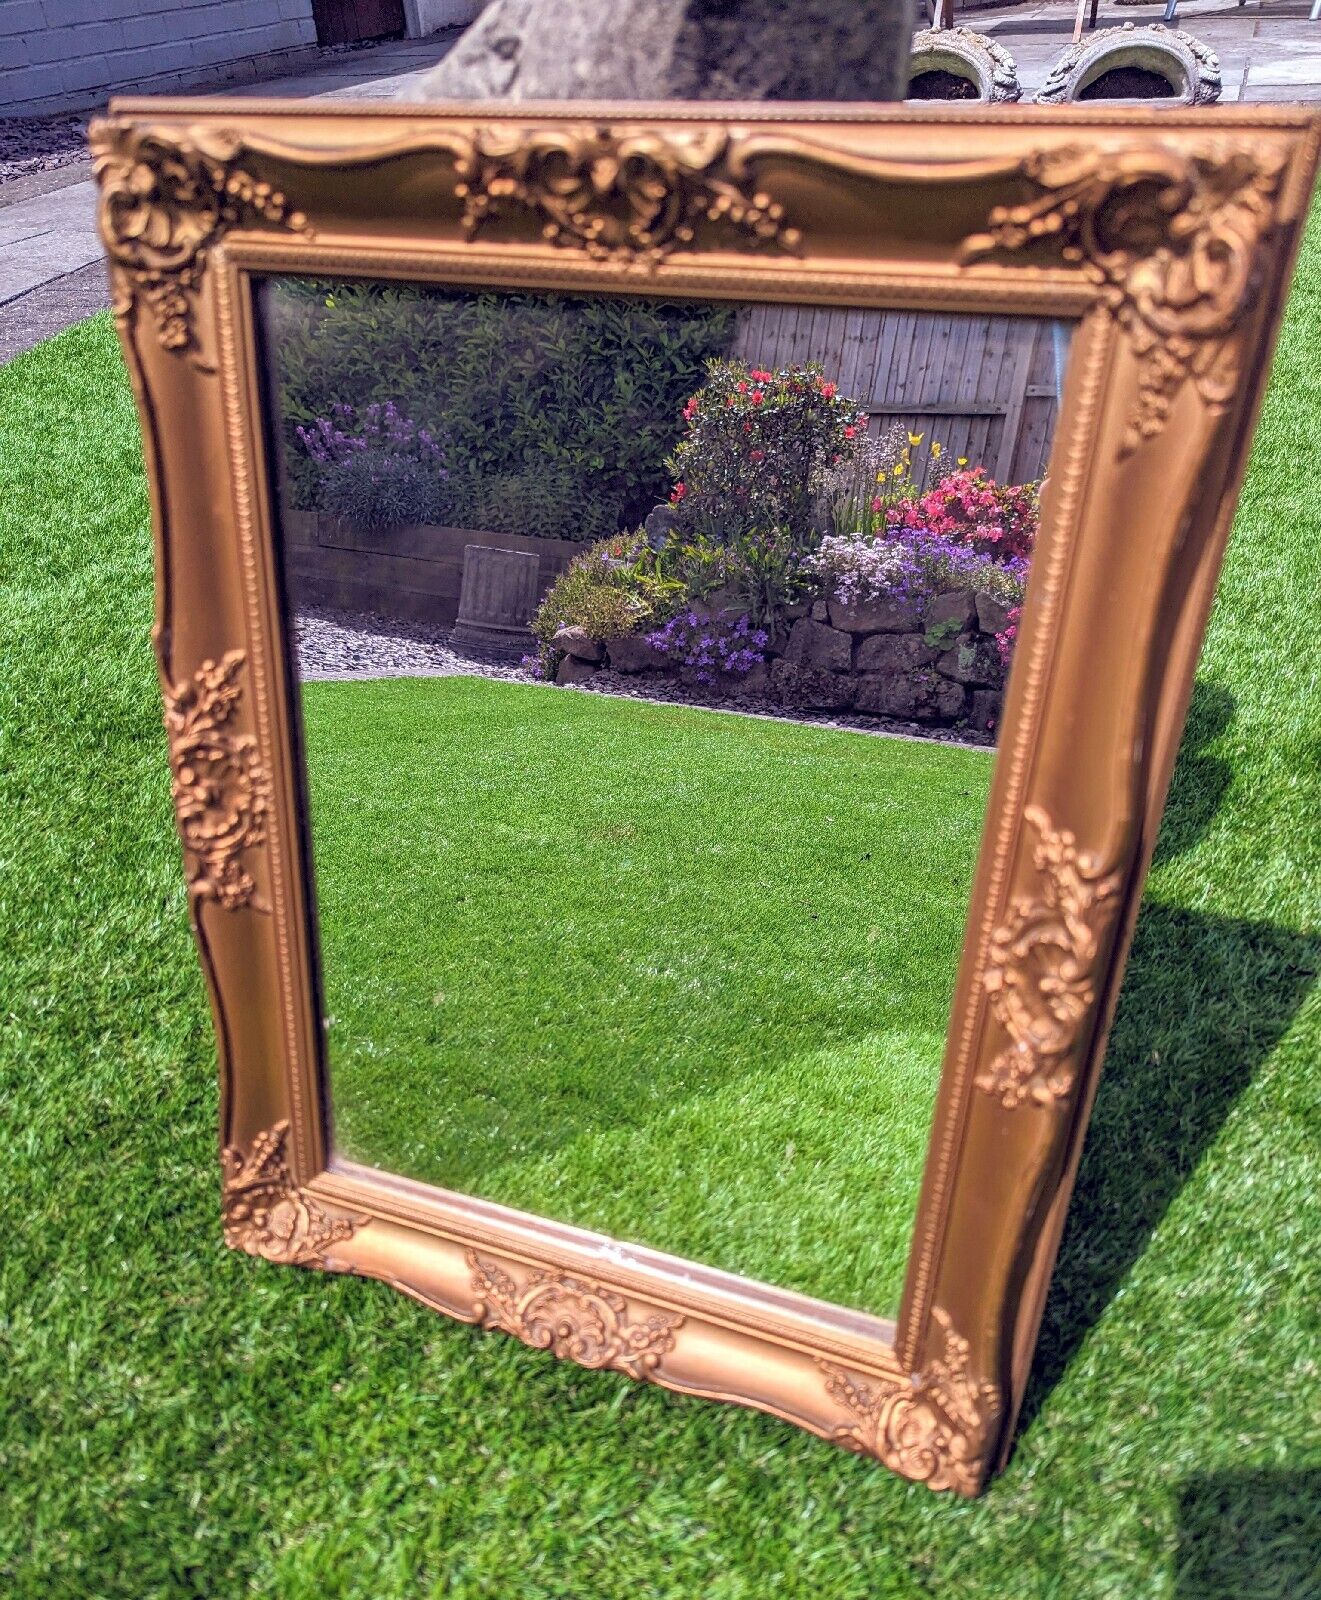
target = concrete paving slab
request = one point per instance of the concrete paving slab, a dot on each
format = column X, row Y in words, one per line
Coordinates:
column 51, row 307
column 47, row 237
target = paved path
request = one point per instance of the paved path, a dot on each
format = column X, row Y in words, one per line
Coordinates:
column 1269, row 50
column 50, row 271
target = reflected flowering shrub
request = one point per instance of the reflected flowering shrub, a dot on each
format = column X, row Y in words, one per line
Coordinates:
column 912, row 564
column 336, row 439
column 711, row 647
column 967, row 506
column 860, row 567
column 376, row 467
column 755, row 448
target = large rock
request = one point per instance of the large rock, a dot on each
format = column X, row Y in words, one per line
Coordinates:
column 985, row 710
column 816, row 644
column 577, row 642
column 975, row 660
column 876, row 616
column 922, row 696
column 755, row 683
column 633, row 653
column 811, row 688
column 571, row 670
column 952, row 613
column 660, row 523
column 992, row 617
column 894, row 653
column 678, row 50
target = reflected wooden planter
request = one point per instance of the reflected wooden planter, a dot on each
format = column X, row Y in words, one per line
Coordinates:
column 412, row 571
column 496, row 601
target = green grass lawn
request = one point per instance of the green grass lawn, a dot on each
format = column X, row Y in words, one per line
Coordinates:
column 679, row 976
column 179, row 1421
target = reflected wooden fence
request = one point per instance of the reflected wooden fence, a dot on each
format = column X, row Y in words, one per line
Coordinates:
column 986, row 387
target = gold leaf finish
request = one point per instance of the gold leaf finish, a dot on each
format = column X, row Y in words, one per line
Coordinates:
column 266, row 1215
column 573, row 1318
column 164, row 201
column 221, row 790
column 931, row 1425
column 631, row 197
column 1171, row 238
column 1041, row 974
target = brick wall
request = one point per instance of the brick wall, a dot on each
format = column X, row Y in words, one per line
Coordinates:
column 58, row 55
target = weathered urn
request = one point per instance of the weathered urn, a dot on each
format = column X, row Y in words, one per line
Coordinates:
column 1131, row 63
column 958, row 64
column 496, row 601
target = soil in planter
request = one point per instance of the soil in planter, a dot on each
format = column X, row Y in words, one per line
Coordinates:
column 939, row 84
column 1129, row 83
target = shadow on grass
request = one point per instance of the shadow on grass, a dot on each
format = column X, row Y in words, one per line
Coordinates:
column 1249, row 1536
column 1205, row 1001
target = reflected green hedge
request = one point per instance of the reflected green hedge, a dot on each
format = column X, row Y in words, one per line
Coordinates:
column 556, row 413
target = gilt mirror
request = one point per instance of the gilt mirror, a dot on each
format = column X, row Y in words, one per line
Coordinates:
column 674, row 634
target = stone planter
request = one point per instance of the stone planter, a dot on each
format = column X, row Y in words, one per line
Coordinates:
column 496, row 602
column 957, row 64
column 1126, row 60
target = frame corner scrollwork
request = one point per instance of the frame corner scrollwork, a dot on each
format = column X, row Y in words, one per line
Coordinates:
column 166, row 198
column 1171, row 238
column 266, row 1214
column 933, row 1425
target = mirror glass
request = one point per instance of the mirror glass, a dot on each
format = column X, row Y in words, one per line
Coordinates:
column 650, row 655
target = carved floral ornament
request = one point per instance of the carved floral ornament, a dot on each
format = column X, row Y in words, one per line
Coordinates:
column 634, row 197
column 266, row 1215
column 165, row 199
column 1040, row 975
column 931, row 1426
column 1171, row 240
column 221, row 790
column 571, row 1317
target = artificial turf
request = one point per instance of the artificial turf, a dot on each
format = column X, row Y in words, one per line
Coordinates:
column 176, row 1420
column 679, row 976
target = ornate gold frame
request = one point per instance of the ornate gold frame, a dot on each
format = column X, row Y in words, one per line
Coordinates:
column 1170, row 235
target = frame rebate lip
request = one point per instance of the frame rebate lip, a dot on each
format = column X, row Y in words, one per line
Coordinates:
column 1171, row 235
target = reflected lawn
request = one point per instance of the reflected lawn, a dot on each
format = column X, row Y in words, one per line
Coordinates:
column 676, row 975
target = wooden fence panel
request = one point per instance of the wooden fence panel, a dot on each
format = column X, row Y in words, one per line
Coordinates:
column 985, row 387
